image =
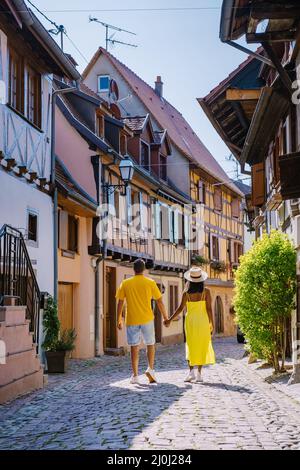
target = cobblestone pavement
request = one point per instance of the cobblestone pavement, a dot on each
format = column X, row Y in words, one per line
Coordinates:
column 93, row 406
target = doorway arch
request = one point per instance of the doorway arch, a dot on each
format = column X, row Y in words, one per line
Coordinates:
column 219, row 316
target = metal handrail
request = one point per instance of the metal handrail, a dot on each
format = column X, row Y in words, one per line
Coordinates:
column 17, row 277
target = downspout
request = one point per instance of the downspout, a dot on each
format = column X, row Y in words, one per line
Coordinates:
column 97, row 167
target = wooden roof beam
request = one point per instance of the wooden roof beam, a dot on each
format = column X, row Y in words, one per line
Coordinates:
column 235, row 94
column 275, row 11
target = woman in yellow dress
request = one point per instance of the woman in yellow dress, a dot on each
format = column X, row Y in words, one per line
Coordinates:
column 199, row 323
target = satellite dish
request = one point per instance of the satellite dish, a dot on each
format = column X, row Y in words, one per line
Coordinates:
column 114, row 90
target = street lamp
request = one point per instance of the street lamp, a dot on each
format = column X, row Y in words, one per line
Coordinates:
column 126, row 168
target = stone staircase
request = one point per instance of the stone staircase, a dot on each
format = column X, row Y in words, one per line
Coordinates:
column 20, row 367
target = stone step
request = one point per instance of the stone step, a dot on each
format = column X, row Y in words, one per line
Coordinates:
column 24, row 384
column 13, row 315
column 18, row 365
column 16, row 338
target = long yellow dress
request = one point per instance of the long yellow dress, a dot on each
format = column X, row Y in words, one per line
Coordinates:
column 199, row 350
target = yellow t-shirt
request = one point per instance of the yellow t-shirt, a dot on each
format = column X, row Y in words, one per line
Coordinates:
column 138, row 291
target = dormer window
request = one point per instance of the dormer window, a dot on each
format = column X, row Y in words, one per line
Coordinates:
column 103, row 83
column 163, row 167
column 100, row 125
column 145, row 156
column 123, row 145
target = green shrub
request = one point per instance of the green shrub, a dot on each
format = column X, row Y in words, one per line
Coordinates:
column 265, row 286
column 51, row 325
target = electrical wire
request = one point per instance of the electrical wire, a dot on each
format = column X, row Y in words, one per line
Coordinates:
column 75, row 47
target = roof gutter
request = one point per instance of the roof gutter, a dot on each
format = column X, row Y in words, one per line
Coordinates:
column 228, row 9
column 42, row 35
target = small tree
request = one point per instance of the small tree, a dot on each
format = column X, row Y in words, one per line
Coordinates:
column 265, row 285
column 51, row 325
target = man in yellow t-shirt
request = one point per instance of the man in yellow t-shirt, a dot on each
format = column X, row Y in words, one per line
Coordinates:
column 138, row 292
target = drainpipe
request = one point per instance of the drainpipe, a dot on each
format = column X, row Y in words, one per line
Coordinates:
column 97, row 167
column 257, row 56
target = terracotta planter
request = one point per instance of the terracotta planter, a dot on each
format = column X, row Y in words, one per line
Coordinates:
column 56, row 361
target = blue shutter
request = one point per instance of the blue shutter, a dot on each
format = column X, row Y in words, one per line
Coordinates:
column 186, row 231
column 129, row 207
column 171, row 226
column 157, row 221
column 176, row 225
column 141, row 203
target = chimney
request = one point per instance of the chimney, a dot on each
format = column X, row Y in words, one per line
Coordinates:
column 159, row 86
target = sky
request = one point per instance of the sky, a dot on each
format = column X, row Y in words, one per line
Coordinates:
column 182, row 46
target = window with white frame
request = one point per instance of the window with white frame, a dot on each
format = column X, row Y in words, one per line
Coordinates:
column 103, row 83
column 32, row 227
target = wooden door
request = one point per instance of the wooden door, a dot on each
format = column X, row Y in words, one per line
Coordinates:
column 65, row 305
column 110, row 326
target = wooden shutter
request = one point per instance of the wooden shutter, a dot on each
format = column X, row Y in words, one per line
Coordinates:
column 63, row 229
column 235, row 208
column 217, row 199
column 258, row 184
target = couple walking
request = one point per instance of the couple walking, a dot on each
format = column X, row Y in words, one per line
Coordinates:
column 138, row 292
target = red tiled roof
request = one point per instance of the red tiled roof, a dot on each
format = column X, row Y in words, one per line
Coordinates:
column 179, row 131
column 135, row 123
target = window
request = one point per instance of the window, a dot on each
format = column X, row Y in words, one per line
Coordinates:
column 165, row 229
column 100, row 126
column 123, row 145
column 33, row 97
column 218, row 199
column 173, row 298
column 16, row 81
column 24, row 88
column 145, row 156
column 103, row 83
column 163, row 167
column 235, row 208
column 201, row 192
column 72, row 233
column 32, row 227
column 215, row 248
column 180, row 229
column 237, row 252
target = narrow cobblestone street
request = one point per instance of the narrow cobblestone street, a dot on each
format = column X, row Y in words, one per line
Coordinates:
column 95, row 407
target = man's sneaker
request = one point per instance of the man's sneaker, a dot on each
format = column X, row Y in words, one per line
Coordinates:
column 199, row 378
column 134, row 380
column 190, row 377
column 151, row 375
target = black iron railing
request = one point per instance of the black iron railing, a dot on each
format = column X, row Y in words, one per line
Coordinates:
column 17, row 277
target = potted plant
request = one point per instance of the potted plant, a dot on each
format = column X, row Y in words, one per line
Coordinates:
column 218, row 266
column 199, row 260
column 57, row 345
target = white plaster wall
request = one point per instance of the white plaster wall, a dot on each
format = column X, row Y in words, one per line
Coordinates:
column 178, row 170
column 16, row 196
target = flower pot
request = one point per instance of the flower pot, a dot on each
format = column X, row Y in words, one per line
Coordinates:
column 56, row 361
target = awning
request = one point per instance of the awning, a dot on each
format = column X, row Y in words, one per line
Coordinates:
column 272, row 107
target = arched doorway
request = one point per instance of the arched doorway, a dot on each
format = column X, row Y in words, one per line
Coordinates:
column 219, row 316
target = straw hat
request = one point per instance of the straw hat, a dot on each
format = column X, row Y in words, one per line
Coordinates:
column 195, row 274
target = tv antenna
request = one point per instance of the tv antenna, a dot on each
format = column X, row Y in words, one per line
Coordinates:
column 230, row 158
column 109, row 39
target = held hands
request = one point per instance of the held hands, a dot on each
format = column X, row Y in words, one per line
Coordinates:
column 211, row 328
column 120, row 324
column 167, row 322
